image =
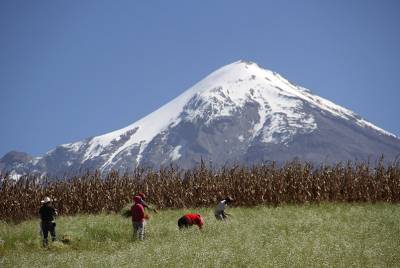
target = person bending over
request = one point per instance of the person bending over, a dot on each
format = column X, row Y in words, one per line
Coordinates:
column 219, row 210
column 191, row 219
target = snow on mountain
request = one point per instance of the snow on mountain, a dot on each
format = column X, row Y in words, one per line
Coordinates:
column 238, row 112
column 227, row 89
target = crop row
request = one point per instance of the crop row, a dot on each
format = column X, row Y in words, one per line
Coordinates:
column 171, row 187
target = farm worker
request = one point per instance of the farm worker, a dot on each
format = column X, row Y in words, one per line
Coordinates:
column 219, row 210
column 145, row 205
column 190, row 219
column 138, row 217
column 47, row 216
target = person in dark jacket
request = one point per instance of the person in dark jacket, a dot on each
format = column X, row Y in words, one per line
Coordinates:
column 138, row 218
column 47, row 216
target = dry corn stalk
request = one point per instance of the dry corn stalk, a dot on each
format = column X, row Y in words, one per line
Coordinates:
column 172, row 187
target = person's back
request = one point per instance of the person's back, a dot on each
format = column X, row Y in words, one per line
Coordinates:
column 191, row 219
column 47, row 224
column 137, row 212
column 220, row 207
column 47, row 213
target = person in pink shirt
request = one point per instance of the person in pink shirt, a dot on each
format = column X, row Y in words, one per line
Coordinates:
column 138, row 218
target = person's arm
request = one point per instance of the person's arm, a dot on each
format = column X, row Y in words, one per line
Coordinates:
column 200, row 222
column 148, row 207
column 227, row 214
column 141, row 212
column 55, row 213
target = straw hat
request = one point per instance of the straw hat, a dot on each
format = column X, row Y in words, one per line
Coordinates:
column 46, row 200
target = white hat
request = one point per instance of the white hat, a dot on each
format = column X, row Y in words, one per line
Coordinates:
column 46, row 200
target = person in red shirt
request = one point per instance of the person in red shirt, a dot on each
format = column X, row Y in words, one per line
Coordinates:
column 138, row 217
column 190, row 219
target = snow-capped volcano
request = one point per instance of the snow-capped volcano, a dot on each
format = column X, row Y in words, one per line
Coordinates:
column 240, row 113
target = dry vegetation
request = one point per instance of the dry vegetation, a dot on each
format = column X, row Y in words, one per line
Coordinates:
column 171, row 187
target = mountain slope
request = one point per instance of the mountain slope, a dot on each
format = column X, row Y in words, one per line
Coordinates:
column 240, row 113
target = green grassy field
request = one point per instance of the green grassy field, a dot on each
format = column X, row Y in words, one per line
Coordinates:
column 333, row 235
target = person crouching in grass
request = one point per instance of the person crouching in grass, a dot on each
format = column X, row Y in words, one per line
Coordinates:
column 47, row 224
column 138, row 218
column 190, row 219
column 219, row 210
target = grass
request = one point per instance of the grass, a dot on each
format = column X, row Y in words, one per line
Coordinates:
column 339, row 235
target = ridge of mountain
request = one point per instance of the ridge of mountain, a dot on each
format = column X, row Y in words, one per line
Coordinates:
column 240, row 113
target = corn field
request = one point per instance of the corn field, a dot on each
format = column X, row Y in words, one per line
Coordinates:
column 171, row 187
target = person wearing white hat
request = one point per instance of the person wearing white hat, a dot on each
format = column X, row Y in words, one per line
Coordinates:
column 47, row 215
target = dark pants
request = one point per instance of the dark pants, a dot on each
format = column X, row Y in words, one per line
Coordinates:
column 183, row 222
column 220, row 216
column 46, row 228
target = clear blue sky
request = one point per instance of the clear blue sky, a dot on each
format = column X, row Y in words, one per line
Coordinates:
column 74, row 69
